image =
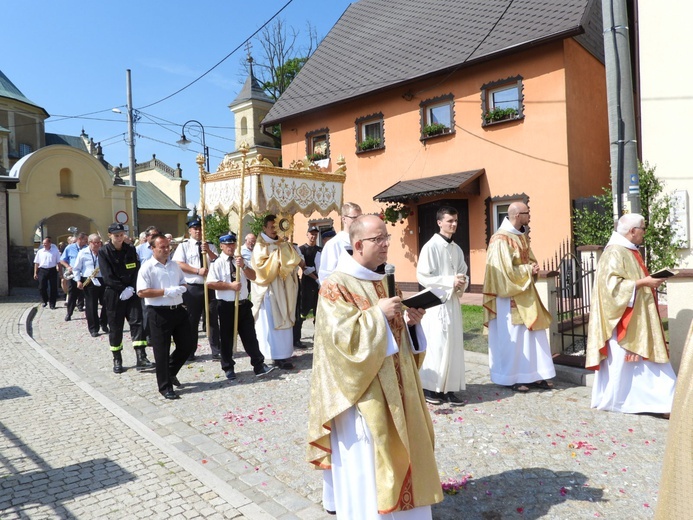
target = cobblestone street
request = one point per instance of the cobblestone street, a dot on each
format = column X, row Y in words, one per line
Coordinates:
column 81, row 442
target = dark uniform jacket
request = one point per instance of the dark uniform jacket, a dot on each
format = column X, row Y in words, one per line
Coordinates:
column 119, row 268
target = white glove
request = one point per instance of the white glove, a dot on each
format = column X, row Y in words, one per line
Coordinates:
column 176, row 290
column 127, row 293
column 96, row 282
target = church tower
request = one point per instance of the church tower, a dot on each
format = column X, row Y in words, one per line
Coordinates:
column 249, row 109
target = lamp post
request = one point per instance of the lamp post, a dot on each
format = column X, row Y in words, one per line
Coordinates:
column 184, row 141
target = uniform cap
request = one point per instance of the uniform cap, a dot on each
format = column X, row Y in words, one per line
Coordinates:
column 228, row 239
column 313, row 229
column 116, row 227
column 328, row 233
column 196, row 222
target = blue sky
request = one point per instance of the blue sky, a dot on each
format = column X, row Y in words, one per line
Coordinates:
column 71, row 59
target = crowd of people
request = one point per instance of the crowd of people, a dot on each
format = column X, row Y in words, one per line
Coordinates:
column 376, row 362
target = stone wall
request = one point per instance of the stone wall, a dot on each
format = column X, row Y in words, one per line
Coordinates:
column 21, row 267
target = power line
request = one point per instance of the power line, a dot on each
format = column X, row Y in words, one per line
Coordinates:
column 222, row 60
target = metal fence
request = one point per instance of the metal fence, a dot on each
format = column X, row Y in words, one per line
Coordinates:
column 573, row 291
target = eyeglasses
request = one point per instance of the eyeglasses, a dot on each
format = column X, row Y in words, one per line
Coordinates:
column 638, row 227
column 379, row 240
column 523, row 213
column 351, row 217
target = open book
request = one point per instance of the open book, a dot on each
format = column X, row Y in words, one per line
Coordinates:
column 425, row 299
column 664, row 273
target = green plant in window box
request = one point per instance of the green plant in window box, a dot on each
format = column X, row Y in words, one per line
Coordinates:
column 500, row 114
column 316, row 156
column 435, row 129
column 395, row 212
column 369, row 143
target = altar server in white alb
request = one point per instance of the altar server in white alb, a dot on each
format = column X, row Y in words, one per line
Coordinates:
column 442, row 269
column 331, row 252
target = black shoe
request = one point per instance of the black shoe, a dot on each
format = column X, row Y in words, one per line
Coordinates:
column 94, row 334
column 231, row 375
column 433, row 397
column 216, row 356
column 191, row 357
column 44, row 305
column 142, row 361
column 80, row 309
column 264, row 370
column 68, row 318
column 105, row 329
column 300, row 345
column 175, row 382
column 118, row 363
column 283, row 364
column 52, row 307
column 170, row 394
column 452, row 399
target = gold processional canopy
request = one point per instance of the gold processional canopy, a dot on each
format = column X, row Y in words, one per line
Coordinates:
column 302, row 188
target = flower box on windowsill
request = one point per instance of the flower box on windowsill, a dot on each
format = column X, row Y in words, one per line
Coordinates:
column 435, row 130
column 500, row 115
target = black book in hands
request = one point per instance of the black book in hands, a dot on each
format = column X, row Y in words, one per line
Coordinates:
column 664, row 273
column 424, row 299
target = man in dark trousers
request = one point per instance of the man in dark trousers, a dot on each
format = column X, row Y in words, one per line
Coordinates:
column 161, row 283
column 189, row 255
column 222, row 278
column 119, row 265
column 308, row 293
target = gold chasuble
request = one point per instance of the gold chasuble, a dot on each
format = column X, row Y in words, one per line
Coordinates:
column 639, row 328
column 275, row 263
column 508, row 274
column 676, row 488
column 351, row 368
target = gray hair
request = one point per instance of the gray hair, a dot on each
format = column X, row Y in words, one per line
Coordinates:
column 94, row 236
column 629, row 221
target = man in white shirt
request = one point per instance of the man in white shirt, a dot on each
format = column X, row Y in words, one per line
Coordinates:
column 161, row 283
column 332, row 251
column 222, row 278
column 46, row 271
column 189, row 255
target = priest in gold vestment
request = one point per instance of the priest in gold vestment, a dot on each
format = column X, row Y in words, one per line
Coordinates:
column 369, row 427
column 625, row 338
column 676, row 489
column 518, row 341
column 274, row 294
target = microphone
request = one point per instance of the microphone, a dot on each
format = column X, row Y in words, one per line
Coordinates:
column 390, row 280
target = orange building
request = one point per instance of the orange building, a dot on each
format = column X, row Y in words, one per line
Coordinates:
column 456, row 102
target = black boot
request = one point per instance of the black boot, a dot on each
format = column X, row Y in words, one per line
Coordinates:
column 142, row 361
column 117, row 363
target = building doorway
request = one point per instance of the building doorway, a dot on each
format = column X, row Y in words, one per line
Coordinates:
column 428, row 224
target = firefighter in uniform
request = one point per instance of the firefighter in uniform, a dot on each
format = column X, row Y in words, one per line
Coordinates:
column 188, row 256
column 119, row 266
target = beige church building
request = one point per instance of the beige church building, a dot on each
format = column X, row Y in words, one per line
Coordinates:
column 50, row 184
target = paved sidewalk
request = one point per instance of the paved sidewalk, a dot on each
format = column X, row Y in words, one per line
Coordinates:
column 81, row 442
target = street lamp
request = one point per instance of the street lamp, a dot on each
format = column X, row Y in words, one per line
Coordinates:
column 184, row 141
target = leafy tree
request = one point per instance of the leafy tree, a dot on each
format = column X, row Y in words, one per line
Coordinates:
column 282, row 58
column 255, row 225
column 216, row 225
column 661, row 246
column 593, row 226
